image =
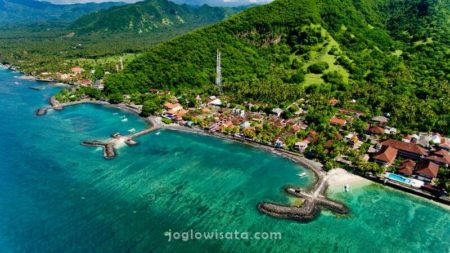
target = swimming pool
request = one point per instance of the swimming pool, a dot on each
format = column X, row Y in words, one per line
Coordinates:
column 398, row 178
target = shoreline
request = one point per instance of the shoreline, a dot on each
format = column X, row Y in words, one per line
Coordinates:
column 335, row 182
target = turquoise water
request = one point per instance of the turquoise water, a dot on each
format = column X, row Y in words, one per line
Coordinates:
column 58, row 196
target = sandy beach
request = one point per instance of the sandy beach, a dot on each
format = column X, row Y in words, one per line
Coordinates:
column 338, row 178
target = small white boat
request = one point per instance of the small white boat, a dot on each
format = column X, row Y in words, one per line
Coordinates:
column 124, row 120
column 158, row 133
column 132, row 130
column 303, row 174
column 346, row 188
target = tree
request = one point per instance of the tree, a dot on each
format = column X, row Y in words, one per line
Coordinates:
column 318, row 68
column 150, row 107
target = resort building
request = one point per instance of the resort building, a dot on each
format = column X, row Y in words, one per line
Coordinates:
column 407, row 168
column 441, row 157
column 407, row 150
column 386, row 156
column 426, row 170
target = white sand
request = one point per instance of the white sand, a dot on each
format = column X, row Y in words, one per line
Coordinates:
column 338, row 178
column 25, row 77
column 120, row 142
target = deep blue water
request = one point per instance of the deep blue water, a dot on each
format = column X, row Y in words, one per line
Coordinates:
column 59, row 196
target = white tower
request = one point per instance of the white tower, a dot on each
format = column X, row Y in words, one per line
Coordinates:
column 121, row 62
column 218, row 72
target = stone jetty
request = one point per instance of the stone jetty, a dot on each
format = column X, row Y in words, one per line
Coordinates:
column 109, row 150
column 314, row 201
column 41, row 111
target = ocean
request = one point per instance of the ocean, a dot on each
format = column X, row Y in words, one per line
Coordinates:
column 59, row 196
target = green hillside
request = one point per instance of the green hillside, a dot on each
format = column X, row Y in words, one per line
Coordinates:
column 150, row 16
column 387, row 55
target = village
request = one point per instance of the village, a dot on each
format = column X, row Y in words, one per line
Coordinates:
column 351, row 139
column 367, row 146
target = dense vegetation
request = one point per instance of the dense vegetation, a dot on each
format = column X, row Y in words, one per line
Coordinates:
column 150, row 16
column 56, row 47
column 378, row 56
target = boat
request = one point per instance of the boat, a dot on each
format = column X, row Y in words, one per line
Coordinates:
column 346, row 188
column 132, row 130
column 158, row 133
column 303, row 174
column 124, row 120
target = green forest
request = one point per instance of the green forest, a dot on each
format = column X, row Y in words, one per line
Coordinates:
column 377, row 56
column 121, row 30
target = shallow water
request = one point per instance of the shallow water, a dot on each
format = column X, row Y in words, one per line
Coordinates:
column 59, row 196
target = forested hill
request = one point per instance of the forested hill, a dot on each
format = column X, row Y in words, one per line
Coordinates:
column 14, row 12
column 150, row 16
column 387, row 55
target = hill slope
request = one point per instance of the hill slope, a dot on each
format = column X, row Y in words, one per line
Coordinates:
column 389, row 55
column 150, row 16
column 13, row 12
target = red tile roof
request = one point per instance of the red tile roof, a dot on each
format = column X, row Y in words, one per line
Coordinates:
column 350, row 111
column 404, row 146
column 387, row 154
column 440, row 159
column 427, row 168
column 441, row 152
column 333, row 101
column 376, row 130
column 338, row 121
column 407, row 167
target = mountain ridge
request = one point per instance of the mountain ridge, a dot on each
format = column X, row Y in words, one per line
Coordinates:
column 19, row 12
column 149, row 16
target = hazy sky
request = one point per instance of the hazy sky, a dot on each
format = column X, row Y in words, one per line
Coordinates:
column 213, row 2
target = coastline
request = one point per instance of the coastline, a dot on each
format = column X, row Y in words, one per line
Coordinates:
column 336, row 178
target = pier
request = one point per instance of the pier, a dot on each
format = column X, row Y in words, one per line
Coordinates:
column 109, row 146
column 314, row 201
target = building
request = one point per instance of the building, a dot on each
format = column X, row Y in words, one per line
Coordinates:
column 407, row 150
column 301, row 145
column 333, row 101
column 380, row 120
column 441, row 157
column 351, row 112
column 386, row 156
column 277, row 111
column 172, row 107
column 426, row 170
column 375, row 130
column 77, row 70
column 407, row 167
column 338, row 122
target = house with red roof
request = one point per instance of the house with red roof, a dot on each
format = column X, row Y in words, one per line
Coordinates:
column 441, row 157
column 407, row 150
column 338, row 122
column 426, row 170
column 386, row 156
column 375, row 130
column 407, row 167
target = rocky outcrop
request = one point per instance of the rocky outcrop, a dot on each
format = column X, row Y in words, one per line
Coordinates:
column 41, row 111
